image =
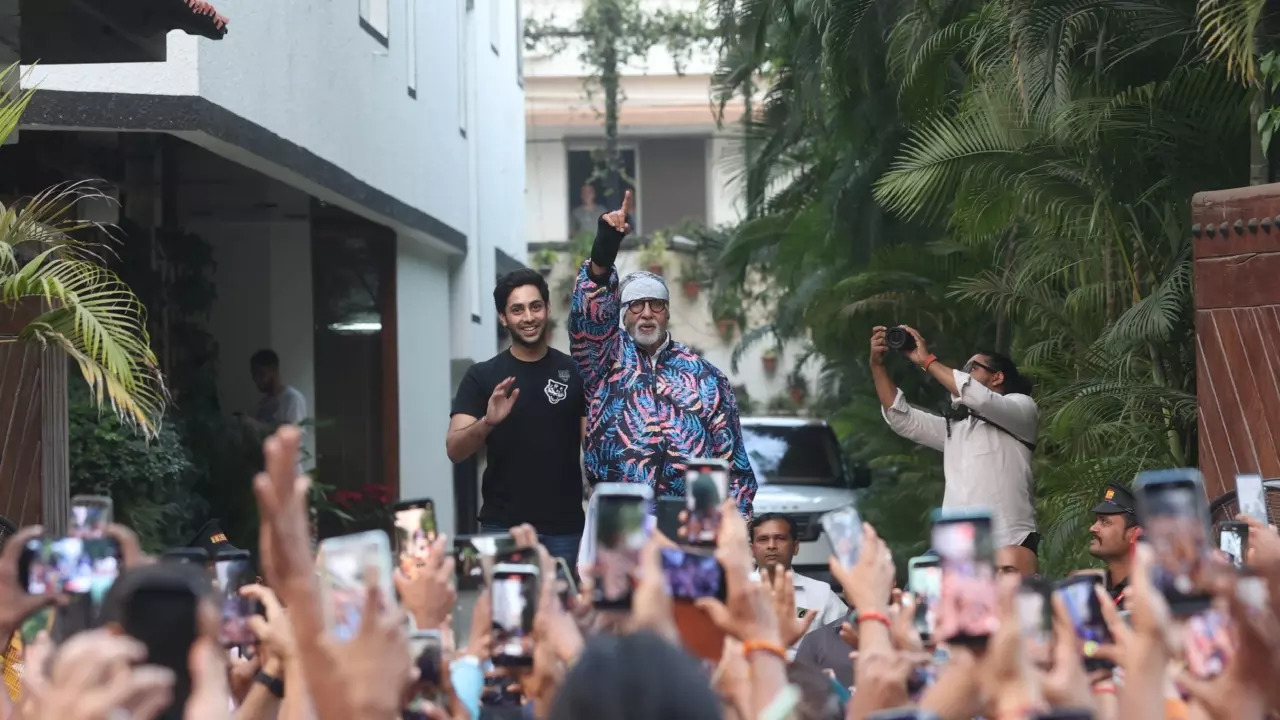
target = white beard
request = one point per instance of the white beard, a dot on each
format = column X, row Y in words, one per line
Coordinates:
column 646, row 339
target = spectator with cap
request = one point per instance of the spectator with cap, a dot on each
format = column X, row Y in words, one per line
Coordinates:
column 213, row 540
column 1114, row 531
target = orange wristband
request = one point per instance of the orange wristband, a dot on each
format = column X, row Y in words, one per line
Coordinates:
column 931, row 360
column 774, row 649
column 873, row 616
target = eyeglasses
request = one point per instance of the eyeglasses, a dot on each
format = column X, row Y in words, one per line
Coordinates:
column 969, row 366
column 635, row 307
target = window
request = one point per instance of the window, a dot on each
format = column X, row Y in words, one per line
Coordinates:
column 519, row 44
column 588, row 196
column 411, row 45
column 464, row 24
column 495, row 14
column 375, row 18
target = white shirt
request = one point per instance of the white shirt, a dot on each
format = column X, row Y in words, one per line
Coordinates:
column 289, row 407
column 983, row 466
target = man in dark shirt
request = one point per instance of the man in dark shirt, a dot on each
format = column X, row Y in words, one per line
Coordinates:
column 824, row 649
column 525, row 407
column 1114, row 531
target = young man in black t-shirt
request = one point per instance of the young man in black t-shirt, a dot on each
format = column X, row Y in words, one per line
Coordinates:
column 525, row 407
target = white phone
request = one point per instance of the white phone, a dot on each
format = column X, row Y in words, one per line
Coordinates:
column 1252, row 497
column 343, row 562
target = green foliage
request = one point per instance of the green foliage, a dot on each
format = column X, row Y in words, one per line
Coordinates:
column 150, row 482
column 1014, row 177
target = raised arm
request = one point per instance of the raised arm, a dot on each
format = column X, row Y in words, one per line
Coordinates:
column 726, row 442
column 595, row 310
column 915, row 425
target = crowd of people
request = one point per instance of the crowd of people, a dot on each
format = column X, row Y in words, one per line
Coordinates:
column 715, row 622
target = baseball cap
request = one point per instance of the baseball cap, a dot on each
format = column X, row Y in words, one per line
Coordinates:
column 213, row 540
column 1116, row 500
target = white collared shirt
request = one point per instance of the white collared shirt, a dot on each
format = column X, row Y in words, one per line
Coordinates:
column 983, row 466
column 815, row 596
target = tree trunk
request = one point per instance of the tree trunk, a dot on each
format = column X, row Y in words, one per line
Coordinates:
column 611, row 21
column 1258, row 170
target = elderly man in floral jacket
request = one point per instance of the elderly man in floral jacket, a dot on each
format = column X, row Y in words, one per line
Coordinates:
column 655, row 405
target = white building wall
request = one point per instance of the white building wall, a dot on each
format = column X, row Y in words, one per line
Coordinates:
column 422, row 283
column 547, row 191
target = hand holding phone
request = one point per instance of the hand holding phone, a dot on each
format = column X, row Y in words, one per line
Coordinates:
column 620, row 536
column 415, row 531
column 1079, row 595
column 514, row 597
column 967, row 603
column 344, row 564
column 231, row 573
column 843, row 527
column 1175, row 517
column 1233, row 541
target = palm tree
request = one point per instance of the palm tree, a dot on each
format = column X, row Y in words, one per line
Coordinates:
column 88, row 313
column 1014, row 175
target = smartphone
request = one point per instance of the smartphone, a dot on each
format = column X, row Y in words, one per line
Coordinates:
column 1081, row 600
column 1175, row 518
column 706, row 487
column 159, row 606
column 1233, row 541
column 906, row 713
column 343, row 563
column 1207, row 643
column 515, row 599
column 843, row 527
column 1035, row 617
column 192, row 555
column 967, row 599
column 667, row 512
column 230, row 573
column 1063, row 714
column 90, row 516
column 566, row 586
column 1251, row 497
column 924, row 580
column 691, row 575
column 428, row 656
column 75, row 565
column 414, row 522
column 620, row 535
column 473, row 557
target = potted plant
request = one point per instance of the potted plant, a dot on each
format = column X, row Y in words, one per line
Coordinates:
column 726, row 316
column 690, row 283
column 654, row 255
column 797, row 387
column 543, row 261
column 769, row 359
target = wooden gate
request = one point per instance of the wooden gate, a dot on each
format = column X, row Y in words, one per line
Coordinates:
column 1236, row 240
column 34, row 471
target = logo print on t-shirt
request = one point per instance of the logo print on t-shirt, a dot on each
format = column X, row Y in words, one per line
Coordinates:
column 556, row 391
column 564, row 375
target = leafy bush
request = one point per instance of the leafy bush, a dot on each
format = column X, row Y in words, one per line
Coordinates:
column 151, row 484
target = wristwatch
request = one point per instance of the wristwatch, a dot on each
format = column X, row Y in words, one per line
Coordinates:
column 275, row 685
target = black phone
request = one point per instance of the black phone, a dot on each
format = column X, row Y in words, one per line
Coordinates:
column 158, row 605
column 474, row 556
column 966, row 553
column 1233, row 541
column 691, row 575
column 1176, row 523
column 667, row 514
column 514, row 601
column 232, row 572
column 414, row 529
column 1080, row 596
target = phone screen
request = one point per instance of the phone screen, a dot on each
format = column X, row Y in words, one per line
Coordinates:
column 515, row 598
column 843, row 527
column 90, row 516
column 229, row 576
column 706, row 487
column 1176, row 524
column 967, row 601
column 667, row 511
column 924, row 579
column 620, row 536
column 1207, row 643
column 428, row 656
column 78, row 565
column 1035, row 616
column 1252, row 497
column 344, row 561
column 692, row 575
column 415, row 530
column 1233, row 541
column 473, row 557
column 1085, row 611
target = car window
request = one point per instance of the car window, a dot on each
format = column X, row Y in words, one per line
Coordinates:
column 800, row 455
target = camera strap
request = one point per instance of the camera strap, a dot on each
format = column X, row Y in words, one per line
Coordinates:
column 963, row 412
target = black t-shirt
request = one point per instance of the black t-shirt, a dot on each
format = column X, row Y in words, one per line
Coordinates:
column 534, row 471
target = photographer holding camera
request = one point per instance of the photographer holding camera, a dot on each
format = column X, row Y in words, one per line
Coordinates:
column 986, row 441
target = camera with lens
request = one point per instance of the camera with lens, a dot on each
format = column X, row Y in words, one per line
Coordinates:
column 897, row 338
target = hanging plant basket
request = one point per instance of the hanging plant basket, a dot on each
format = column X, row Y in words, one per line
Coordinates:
column 727, row 327
column 691, row 289
column 655, row 268
column 770, row 363
column 798, row 394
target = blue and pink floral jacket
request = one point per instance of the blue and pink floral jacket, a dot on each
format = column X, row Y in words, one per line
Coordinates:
column 648, row 417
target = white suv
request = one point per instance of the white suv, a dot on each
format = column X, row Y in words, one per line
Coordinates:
column 802, row 474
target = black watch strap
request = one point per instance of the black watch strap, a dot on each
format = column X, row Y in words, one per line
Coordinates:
column 275, row 685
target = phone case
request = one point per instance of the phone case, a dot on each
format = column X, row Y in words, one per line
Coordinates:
column 343, row 562
column 843, row 527
column 1251, row 496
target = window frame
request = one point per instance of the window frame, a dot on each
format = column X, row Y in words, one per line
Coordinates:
column 364, row 7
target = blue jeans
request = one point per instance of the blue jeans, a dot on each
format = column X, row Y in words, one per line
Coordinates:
column 561, row 546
